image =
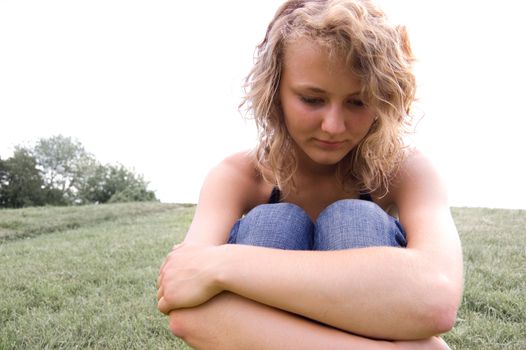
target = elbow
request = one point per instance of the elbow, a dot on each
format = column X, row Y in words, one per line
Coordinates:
column 178, row 324
column 443, row 303
column 443, row 318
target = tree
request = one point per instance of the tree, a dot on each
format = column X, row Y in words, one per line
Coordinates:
column 3, row 182
column 63, row 162
column 59, row 171
column 92, row 185
column 21, row 183
column 126, row 186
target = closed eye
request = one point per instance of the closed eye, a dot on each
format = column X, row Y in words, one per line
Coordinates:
column 356, row 103
column 312, row 101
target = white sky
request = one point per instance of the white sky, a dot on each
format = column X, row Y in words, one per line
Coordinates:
column 155, row 86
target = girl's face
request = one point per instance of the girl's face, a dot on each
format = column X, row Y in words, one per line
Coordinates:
column 320, row 97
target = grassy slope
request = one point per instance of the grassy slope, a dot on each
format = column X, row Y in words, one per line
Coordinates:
column 84, row 277
column 92, row 286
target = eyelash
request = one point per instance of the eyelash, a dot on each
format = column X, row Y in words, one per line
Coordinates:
column 311, row 100
column 357, row 103
column 315, row 101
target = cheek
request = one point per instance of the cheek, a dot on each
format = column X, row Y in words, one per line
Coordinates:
column 361, row 123
column 299, row 118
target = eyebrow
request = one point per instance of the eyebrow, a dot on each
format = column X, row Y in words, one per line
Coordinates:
column 316, row 89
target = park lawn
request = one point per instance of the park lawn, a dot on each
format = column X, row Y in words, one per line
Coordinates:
column 84, row 277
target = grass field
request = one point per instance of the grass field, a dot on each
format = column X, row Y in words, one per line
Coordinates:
column 84, row 277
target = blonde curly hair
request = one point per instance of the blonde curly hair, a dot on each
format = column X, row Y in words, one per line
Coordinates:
column 377, row 51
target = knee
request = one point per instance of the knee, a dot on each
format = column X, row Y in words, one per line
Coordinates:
column 353, row 223
column 280, row 225
column 349, row 209
column 275, row 212
column 354, row 204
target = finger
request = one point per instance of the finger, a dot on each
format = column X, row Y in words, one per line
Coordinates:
column 162, row 265
column 159, row 279
column 165, row 262
column 160, row 293
column 163, row 306
column 168, row 256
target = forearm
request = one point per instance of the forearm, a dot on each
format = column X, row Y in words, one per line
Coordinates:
column 377, row 292
column 232, row 322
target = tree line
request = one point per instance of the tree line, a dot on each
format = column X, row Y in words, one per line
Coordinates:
column 59, row 171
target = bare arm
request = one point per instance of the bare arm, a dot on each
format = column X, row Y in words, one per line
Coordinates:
column 376, row 292
column 229, row 322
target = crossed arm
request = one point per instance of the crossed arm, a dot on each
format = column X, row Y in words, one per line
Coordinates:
column 377, row 292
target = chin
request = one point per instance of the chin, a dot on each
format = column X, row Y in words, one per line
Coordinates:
column 327, row 159
column 322, row 157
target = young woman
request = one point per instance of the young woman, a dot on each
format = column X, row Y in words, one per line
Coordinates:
column 331, row 234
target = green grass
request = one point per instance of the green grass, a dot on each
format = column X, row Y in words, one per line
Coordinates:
column 493, row 311
column 84, row 277
column 16, row 224
column 92, row 286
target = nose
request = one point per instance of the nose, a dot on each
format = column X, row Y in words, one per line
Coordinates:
column 333, row 121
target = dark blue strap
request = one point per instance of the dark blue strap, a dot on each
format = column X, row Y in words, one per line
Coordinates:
column 275, row 196
column 366, row 196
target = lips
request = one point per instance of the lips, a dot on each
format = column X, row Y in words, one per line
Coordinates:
column 330, row 143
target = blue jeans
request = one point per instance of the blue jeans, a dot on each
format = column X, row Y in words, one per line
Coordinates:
column 345, row 224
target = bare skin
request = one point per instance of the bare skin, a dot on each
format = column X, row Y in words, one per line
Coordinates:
column 200, row 329
column 253, row 326
column 237, row 297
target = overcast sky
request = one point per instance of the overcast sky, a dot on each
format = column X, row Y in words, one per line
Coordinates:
column 155, row 85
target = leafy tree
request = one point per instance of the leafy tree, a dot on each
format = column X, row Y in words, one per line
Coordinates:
column 113, row 183
column 63, row 161
column 3, row 171
column 123, row 185
column 92, row 185
column 20, row 182
column 3, row 182
column 59, row 171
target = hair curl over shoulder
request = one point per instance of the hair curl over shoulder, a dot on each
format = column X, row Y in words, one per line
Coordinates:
column 377, row 51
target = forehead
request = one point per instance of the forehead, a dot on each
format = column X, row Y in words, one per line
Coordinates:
column 307, row 61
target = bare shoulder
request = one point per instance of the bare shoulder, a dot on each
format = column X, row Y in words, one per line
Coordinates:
column 417, row 176
column 240, row 172
column 231, row 189
column 416, row 160
column 420, row 179
column 242, row 163
column 420, row 194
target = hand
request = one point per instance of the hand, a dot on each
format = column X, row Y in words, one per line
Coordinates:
column 188, row 277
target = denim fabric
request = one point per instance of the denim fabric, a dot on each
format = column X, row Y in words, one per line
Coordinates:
column 345, row 224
